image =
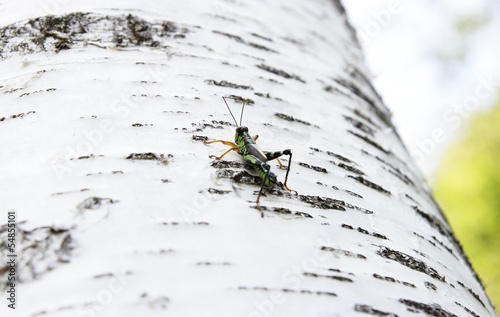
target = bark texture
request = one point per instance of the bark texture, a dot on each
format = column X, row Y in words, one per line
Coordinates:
column 121, row 212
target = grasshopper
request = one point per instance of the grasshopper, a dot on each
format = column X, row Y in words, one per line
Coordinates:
column 246, row 146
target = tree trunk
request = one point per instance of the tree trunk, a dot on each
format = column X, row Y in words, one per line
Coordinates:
column 119, row 210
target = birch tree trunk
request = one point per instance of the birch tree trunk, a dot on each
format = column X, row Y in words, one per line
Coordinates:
column 119, row 210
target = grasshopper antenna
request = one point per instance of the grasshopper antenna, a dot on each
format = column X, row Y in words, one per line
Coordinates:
column 242, row 108
column 231, row 112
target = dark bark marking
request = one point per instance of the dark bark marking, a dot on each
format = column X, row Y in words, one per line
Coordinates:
column 370, row 184
column 411, row 262
column 434, row 222
column 430, row 286
column 224, row 83
column 444, row 246
column 302, row 214
column 226, row 123
column 274, row 81
column 177, row 112
column 348, row 168
column 262, row 37
column 355, row 90
column 56, row 33
column 393, row 280
column 340, row 157
column 323, row 202
column 372, row 311
column 353, row 193
column 155, row 303
column 285, row 290
column 333, row 277
column 225, row 173
column 380, row 236
column 149, row 156
column 280, row 72
column 43, row 249
column 429, row 309
column 95, row 203
column 262, row 95
column 369, row 141
column 411, row 198
column 397, row 172
column 476, row 296
column 339, row 271
column 138, row 125
column 366, row 118
column 364, row 231
column 86, row 157
column 335, row 91
column 246, row 178
column 201, row 223
column 213, row 263
column 443, row 229
column 203, row 126
column 109, row 275
column 241, row 40
column 227, row 164
column 70, row 192
column 343, row 252
column 101, row 173
column 467, row 310
column 360, row 125
column 458, row 246
column 390, row 166
column 218, row 191
column 201, row 138
column 140, row 30
column 19, row 115
column 366, row 211
column 402, row 177
column 358, row 75
column 315, row 168
column 240, row 99
column 292, row 119
column 286, row 211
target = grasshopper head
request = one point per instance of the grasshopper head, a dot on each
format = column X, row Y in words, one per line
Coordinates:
column 240, row 130
column 239, row 134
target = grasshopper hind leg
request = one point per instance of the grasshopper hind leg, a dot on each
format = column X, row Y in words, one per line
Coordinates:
column 275, row 155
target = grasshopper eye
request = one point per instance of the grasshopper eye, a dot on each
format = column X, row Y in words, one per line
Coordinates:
column 243, row 129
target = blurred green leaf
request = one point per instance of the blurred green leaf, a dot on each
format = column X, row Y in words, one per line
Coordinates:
column 468, row 188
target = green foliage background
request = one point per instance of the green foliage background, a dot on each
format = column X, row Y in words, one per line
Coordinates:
column 468, row 189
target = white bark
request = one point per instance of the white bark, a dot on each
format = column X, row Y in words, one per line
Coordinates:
column 123, row 212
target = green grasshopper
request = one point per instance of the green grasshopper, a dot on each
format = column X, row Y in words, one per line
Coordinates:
column 246, row 146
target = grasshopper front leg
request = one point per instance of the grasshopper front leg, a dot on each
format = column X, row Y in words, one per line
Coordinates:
column 234, row 147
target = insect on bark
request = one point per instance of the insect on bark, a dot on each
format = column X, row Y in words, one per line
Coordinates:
column 246, row 146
